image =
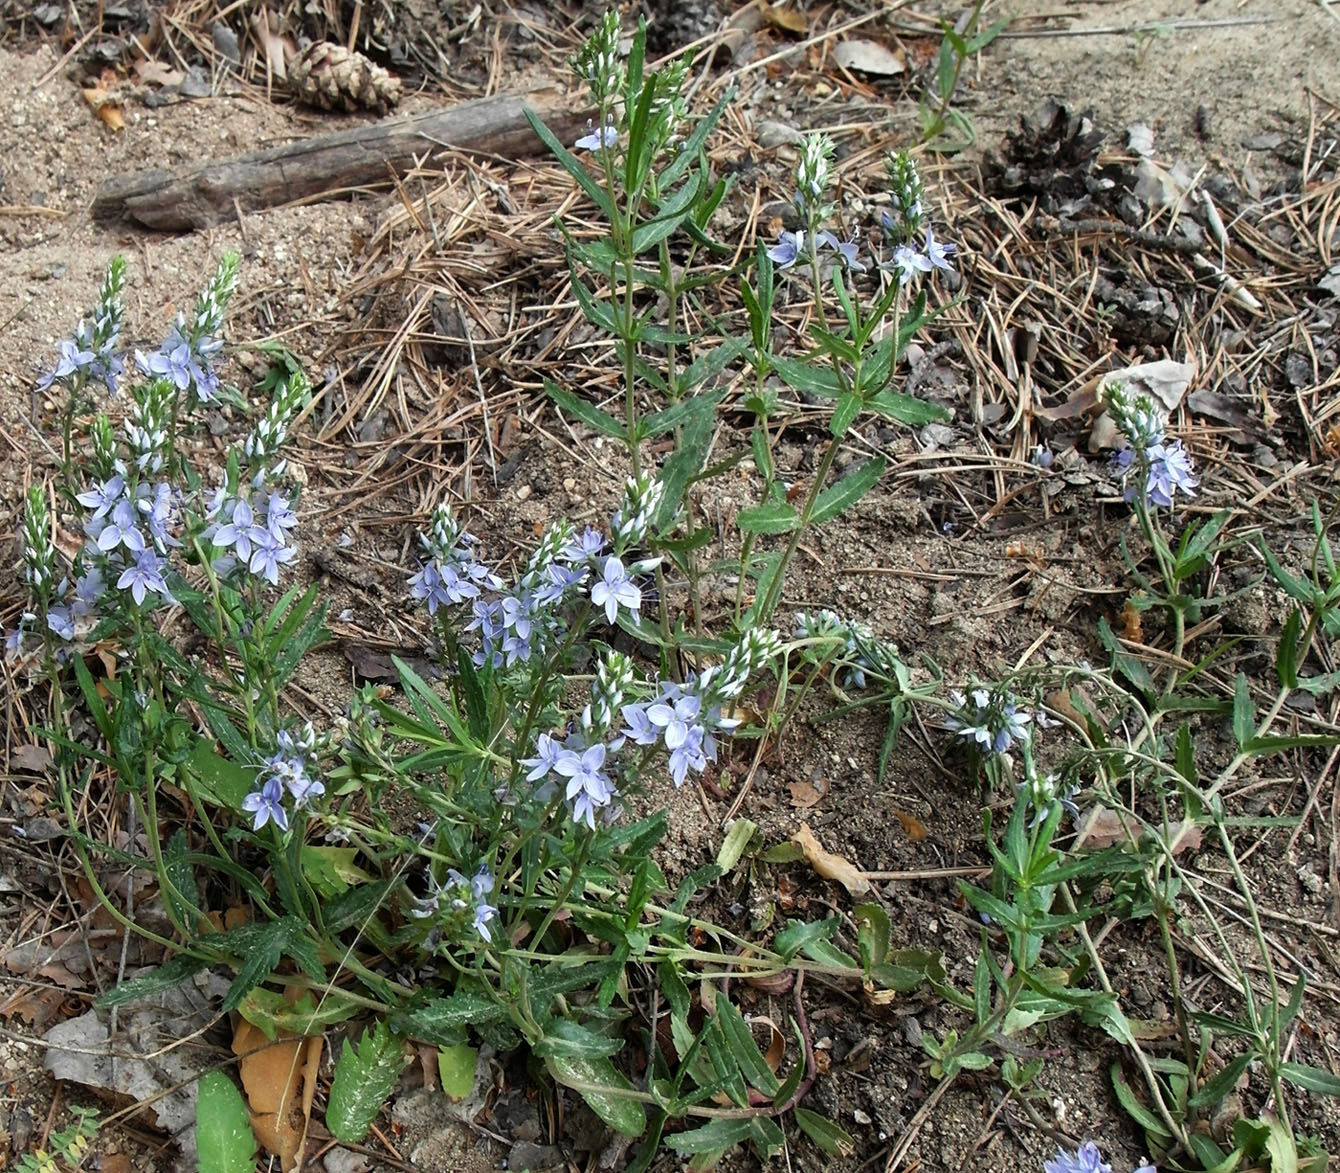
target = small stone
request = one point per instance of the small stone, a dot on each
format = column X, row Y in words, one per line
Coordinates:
column 523, row 492
column 861, row 1118
column 775, row 134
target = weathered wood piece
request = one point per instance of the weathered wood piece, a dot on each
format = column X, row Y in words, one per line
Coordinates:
column 209, row 193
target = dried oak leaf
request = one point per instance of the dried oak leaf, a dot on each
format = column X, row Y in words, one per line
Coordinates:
column 828, row 865
column 280, row 1081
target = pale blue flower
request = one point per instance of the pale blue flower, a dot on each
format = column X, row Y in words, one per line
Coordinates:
column 102, row 497
column 937, row 252
column 144, row 576
column 638, row 727
column 588, row 789
column 266, row 805
column 909, row 263
column 238, row 531
column 789, row 248
column 61, row 622
column 547, row 753
column 1170, row 470
column 676, row 718
column 846, row 249
column 614, row 589
column 690, row 753
column 596, row 140
column 120, row 529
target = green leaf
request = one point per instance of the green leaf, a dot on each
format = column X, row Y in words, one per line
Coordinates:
column 331, row 870
column 258, row 948
column 845, row 413
column 743, row 1049
column 732, row 847
column 364, row 1079
column 572, row 165
column 716, row 1136
column 1214, row 1090
column 1123, row 661
column 1312, row 1079
column 1244, row 712
column 778, row 518
column 798, row 933
column 1281, row 1147
column 220, row 781
column 873, row 934
column 167, row 976
column 223, row 1136
column 834, row 499
column 906, row 409
column 588, row 413
column 456, row 1069
column 443, row 1021
column 1136, row 1110
column 269, row 1011
column 564, row 1038
column 603, row 1088
column 828, row 1136
column 698, row 424
column 180, row 893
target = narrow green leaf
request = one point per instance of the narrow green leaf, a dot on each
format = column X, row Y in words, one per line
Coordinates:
column 1136, row 1110
column 572, row 165
column 874, row 931
column 1312, row 1079
column 588, row 413
column 1286, row 657
column 778, row 518
column 1215, row 1089
column 716, row 1136
column 743, row 1049
column 604, row 1089
column 834, row 499
column 223, row 1137
column 845, row 413
column 364, row 1079
column 732, row 847
column 564, row 1038
column 1244, row 712
column 798, row 933
column 167, row 976
column 906, row 409
column 835, row 1141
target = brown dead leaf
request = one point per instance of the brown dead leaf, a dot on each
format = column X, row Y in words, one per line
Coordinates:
column 32, row 759
column 105, row 107
column 913, row 827
column 280, row 1081
column 866, row 56
column 34, row 1004
column 828, row 865
column 806, row 794
column 785, row 16
column 1104, row 828
column 276, row 48
column 157, row 73
column 114, row 1163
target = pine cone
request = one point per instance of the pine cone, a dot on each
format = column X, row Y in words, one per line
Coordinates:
column 330, row 77
column 1051, row 157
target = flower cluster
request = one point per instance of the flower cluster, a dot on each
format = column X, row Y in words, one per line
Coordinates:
column 861, row 649
column 271, row 431
column 447, row 904
column 990, row 720
column 599, row 64
column 1161, row 463
column 1085, row 1159
column 1043, row 792
column 186, row 357
column 91, row 354
column 814, row 176
column 513, row 626
column 915, row 248
column 287, row 773
column 684, row 718
column 251, row 530
column 130, row 532
column 450, row 574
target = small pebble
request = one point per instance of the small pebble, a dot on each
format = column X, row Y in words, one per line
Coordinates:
column 523, row 492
